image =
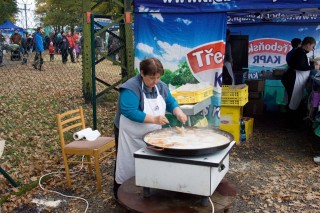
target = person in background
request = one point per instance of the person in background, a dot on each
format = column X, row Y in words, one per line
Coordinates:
column 2, row 39
column 112, row 46
column 227, row 72
column 24, row 46
column 295, row 43
column 142, row 104
column 77, row 42
column 64, row 48
column 46, row 42
column 98, row 44
column 51, row 51
column 38, row 40
column 16, row 38
column 71, row 46
column 296, row 78
column 29, row 43
column 56, row 41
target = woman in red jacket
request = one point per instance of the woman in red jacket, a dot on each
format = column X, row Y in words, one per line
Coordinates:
column 72, row 45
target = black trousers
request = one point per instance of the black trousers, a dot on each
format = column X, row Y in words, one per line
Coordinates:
column 70, row 50
column 64, row 55
column 38, row 59
column 288, row 80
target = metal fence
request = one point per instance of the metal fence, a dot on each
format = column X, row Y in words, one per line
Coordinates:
column 29, row 102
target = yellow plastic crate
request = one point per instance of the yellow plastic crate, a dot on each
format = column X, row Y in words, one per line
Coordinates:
column 230, row 91
column 230, row 114
column 192, row 97
column 233, row 96
column 233, row 102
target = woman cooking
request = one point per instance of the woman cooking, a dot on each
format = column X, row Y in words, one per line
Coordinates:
column 143, row 101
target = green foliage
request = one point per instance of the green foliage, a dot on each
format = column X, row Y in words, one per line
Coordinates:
column 136, row 71
column 167, row 76
column 60, row 13
column 180, row 77
column 8, row 10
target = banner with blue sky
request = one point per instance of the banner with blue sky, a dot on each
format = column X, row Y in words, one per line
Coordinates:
column 190, row 46
column 269, row 44
column 196, row 6
column 188, row 36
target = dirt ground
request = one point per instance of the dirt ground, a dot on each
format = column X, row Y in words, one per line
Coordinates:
column 273, row 171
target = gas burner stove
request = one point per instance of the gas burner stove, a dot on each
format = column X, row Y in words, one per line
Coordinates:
column 199, row 175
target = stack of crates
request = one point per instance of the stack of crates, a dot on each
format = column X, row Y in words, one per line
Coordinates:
column 233, row 98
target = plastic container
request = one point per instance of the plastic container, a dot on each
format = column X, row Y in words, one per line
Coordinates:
column 233, row 129
column 192, row 97
column 230, row 114
column 233, row 96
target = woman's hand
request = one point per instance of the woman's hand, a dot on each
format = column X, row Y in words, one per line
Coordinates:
column 162, row 120
column 180, row 115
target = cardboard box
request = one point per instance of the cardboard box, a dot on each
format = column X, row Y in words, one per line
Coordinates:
column 254, row 108
column 255, row 85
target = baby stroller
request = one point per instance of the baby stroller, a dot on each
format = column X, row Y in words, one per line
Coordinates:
column 15, row 52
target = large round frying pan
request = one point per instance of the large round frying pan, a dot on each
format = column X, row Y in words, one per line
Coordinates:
column 189, row 141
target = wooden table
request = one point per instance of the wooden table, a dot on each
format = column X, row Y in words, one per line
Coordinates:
column 162, row 201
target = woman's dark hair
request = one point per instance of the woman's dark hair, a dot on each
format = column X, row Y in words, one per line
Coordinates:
column 151, row 66
column 308, row 40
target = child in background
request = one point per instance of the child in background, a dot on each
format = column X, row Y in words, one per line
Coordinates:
column 77, row 49
column 51, row 51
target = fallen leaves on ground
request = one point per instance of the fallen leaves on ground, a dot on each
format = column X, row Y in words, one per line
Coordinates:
column 273, row 170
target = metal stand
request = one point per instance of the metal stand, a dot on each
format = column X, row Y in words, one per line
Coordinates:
column 205, row 201
column 146, row 192
column 13, row 183
column 131, row 197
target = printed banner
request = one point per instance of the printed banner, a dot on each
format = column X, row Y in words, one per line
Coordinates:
column 190, row 47
column 197, row 6
column 206, row 63
column 282, row 16
column 269, row 45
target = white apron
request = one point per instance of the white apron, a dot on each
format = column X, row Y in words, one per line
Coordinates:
column 298, row 88
column 130, row 137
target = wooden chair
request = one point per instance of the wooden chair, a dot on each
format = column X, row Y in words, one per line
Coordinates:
column 99, row 149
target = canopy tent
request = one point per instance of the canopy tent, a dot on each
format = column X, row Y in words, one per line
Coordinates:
column 9, row 26
column 186, row 37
